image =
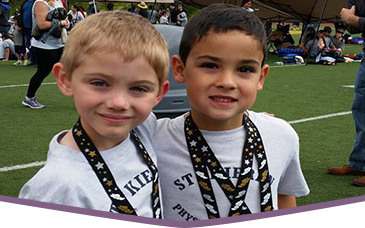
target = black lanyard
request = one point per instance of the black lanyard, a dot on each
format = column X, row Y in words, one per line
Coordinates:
column 105, row 176
column 203, row 158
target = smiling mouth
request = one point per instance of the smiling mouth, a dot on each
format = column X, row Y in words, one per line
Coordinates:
column 223, row 99
column 115, row 119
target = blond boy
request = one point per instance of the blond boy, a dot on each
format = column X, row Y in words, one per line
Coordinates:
column 115, row 67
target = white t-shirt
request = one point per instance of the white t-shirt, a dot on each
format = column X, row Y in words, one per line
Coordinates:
column 6, row 44
column 181, row 195
column 68, row 179
column 76, row 17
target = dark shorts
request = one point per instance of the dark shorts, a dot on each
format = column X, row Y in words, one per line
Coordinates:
column 19, row 49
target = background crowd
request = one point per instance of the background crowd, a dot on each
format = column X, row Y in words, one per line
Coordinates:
column 16, row 28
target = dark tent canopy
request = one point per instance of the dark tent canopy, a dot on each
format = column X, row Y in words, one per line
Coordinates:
column 298, row 10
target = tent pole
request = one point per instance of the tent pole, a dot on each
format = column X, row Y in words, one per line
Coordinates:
column 319, row 24
column 94, row 2
column 154, row 5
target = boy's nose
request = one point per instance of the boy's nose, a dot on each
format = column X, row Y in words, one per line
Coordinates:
column 226, row 80
column 118, row 100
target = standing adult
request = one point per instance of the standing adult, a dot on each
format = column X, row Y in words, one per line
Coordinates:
column 25, row 23
column 354, row 16
column 173, row 14
column 47, row 52
column 76, row 15
column 143, row 10
column 182, row 17
column 152, row 14
column 4, row 17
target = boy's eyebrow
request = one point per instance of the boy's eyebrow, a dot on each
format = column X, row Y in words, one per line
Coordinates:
column 143, row 81
column 208, row 57
column 216, row 59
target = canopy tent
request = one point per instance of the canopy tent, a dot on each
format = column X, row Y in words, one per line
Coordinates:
column 298, row 10
column 310, row 10
column 127, row 1
column 266, row 12
column 262, row 10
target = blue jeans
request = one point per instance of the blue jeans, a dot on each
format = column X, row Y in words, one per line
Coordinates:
column 357, row 157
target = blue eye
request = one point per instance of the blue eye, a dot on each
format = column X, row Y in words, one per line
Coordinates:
column 139, row 89
column 98, row 83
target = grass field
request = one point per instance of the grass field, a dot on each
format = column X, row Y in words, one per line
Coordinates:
column 291, row 92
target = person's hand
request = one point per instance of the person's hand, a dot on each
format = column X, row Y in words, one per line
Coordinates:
column 348, row 16
column 321, row 44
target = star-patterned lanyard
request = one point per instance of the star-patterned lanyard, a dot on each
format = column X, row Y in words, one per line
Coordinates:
column 203, row 159
column 105, row 176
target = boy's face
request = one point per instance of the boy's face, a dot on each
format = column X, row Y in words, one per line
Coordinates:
column 112, row 96
column 223, row 73
column 339, row 35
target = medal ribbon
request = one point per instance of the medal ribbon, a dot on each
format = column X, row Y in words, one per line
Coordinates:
column 203, row 158
column 105, row 176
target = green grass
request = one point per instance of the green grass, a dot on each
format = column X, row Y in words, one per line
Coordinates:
column 291, row 93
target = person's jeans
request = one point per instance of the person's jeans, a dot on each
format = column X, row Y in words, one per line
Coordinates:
column 357, row 157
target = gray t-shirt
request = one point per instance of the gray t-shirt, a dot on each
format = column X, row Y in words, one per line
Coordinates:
column 182, row 199
column 68, row 179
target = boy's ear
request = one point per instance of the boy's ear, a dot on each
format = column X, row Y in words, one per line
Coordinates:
column 63, row 83
column 163, row 90
column 178, row 69
column 264, row 72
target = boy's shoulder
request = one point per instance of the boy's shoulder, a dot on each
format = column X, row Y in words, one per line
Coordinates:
column 61, row 174
column 267, row 123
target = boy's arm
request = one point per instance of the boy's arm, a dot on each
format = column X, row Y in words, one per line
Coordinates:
column 285, row 201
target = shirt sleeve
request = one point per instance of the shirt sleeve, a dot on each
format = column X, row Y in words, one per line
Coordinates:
column 48, row 186
column 292, row 181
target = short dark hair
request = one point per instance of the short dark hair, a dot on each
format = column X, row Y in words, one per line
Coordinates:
column 221, row 18
column 244, row 2
column 327, row 29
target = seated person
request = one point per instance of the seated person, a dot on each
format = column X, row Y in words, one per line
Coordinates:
column 308, row 35
column 338, row 40
column 327, row 31
column 7, row 49
column 315, row 46
column 281, row 38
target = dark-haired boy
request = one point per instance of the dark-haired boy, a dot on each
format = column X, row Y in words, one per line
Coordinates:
column 221, row 159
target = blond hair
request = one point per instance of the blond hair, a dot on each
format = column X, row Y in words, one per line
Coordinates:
column 130, row 35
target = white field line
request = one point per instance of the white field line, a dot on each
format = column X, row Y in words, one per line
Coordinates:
column 290, row 65
column 319, row 117
column 23, row 166
column 24, row 85
column 41, row 163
